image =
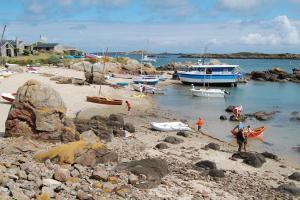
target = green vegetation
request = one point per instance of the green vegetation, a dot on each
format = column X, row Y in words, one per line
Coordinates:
column 41, row 58
column 53, row 59
column 121, row 60
column 26, row 52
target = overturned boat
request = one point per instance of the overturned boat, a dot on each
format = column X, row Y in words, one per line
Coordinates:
column 10, row 97
column 169, row 126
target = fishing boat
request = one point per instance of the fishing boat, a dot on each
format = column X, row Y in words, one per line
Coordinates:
column 256, row 132
column 169, row 126
column 10, row 97
column 207, row 92
column 221, row 74
column 103, row 100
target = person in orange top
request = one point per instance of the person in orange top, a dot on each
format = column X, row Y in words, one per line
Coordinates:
column 199, row 123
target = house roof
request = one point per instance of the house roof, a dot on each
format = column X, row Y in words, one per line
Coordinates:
column 4, row 42
column 12, row 42
column 46, row 45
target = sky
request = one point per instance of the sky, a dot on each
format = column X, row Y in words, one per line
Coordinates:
column 188, row 26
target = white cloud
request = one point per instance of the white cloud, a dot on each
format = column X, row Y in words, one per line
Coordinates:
column 281, row 31
column 240, row 5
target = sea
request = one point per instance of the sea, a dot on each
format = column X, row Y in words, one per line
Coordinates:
column 282, row 134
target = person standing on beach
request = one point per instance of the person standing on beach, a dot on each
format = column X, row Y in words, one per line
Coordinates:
column 128, row 105
column 199, row 123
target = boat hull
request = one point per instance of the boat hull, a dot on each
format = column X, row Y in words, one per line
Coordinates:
column 256, row 132
column 102, row 100
column 169, row 126
column 145, row 80
column 148, row 89
column 208, row 93
column 10, row 97
column 215, row 79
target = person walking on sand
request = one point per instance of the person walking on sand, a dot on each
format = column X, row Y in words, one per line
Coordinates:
column 128, row 105
column 199, row 123
column 241, row 137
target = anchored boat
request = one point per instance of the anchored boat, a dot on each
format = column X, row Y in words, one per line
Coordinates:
column 207, row 92
column 221, row 74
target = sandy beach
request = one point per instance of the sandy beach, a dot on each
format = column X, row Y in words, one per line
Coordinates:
column 241, row 181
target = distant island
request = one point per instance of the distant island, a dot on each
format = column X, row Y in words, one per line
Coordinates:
column 243, row 55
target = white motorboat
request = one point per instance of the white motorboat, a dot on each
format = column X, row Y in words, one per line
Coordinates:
column 144, row 88
column 207, row 92
column 148, row 59
column 169, row 126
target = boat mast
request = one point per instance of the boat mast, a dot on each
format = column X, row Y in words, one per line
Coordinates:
column 142, row 62
column 103, row 70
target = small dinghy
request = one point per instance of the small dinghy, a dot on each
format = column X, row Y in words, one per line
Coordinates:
column 10, row 97
column 144, row 79
column 206, row 92
column 103, row 100
column 256, row 132
column 169, row 126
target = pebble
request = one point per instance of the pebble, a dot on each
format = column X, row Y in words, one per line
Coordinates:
column 51, row 183
column 108, row 187
column 61, row 174
column 49, row 191
column 99, row 174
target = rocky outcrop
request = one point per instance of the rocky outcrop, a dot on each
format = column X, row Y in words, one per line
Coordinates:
column 290, row 188
column 275, row 75
column 39, row 112
column 263, row 115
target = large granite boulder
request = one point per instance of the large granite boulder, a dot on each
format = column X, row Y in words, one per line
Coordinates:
column 39, row 112
column 81, row 66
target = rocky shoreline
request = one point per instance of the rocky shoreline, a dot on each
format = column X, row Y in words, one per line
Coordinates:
column 108, row 153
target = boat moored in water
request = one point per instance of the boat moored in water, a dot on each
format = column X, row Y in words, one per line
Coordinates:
column 221, row 74
column 207, row 92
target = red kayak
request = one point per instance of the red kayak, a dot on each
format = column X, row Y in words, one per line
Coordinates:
column 256, row 132
column 10, row 97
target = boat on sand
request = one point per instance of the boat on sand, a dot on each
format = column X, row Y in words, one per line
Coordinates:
column 169, row 126
column 103, row 100
column 10, row 97
column 256, row 132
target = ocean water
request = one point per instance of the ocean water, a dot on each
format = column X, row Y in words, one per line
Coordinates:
column 281, row 134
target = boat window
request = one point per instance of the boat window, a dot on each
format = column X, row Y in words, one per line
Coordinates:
column 208, row 71
column 225, row 70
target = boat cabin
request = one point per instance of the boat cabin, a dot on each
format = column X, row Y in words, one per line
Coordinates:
column 213, row 69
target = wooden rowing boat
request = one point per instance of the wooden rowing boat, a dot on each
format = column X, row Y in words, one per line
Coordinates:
column 256, row 132
column 103, row 100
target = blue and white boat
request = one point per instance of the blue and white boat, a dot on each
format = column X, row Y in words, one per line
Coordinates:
column 221, row 74
column 145, row 79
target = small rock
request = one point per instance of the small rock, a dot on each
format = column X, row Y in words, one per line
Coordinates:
column 119, row 133
column 99, row 174
column 61, row 174
column 295, row 176
column 216, row 173
column 122, row 191
column 49, row 191
column 161, row 146
column 129, row 127
column 173, row 140
column 255, row 160
column 223, row 117
column 270, row 155
column 18, row 194
column 84, row 195
column 183, row 134
column 112, row 179
column 289, row 188
column 213, row 146
column 108, row 187
column 133, row 179
column 75, row 173
column 51, row 183
column 206, row 164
